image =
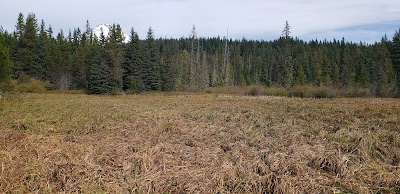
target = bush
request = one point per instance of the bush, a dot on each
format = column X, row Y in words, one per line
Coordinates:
column 27, row 84
column 351, row 92
column 276, row 91
column 255, row 90
column 311, row 92
column 5, row 86
column 307, row 91
column 301, row 92
column 68, row 91
column 322, row 92
column 237, row 90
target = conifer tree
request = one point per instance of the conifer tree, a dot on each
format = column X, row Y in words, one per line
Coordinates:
column 287, row 57
column 383, row 68
column 167, row 77
column 99, row 77
column 395, row 56
column 5, row 63
column 131, row 65
column 114, row 52
column 151, row 71
column 17, row 55
column 38, row 65
column 29, row 41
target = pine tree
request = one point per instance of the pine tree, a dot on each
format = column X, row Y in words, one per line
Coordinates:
column 167, row 77
column 17, row 56
column 345, row 64
column 287, row 57
column 38, row 65
column 114, row 53
column 383, row 67
column 99, row 78
column 5, row 63
column 29, row 41
column 361, row 70
column 194, row 52
column 131, row 65
column 395, row 56
column 151, row 72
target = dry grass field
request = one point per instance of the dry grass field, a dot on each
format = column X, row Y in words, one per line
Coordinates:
column 198, row 143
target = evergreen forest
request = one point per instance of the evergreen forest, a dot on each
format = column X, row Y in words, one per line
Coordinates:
column 79, row 60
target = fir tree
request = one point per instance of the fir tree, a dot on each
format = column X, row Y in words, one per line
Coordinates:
column 99, row 79
column 383, row 67
column 114, row 53
column 167, row 80
column 287, row 57
column 395, row 56
column 5, row 64
column 151, row 72
column 17, row 55
column 38, row 65
column 131, row 65
column 29, row 41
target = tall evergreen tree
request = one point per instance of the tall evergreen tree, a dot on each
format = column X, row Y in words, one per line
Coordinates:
column 99, row 76
column 29, row 41
column 114, row 51
column 395, row 56
column 131, row 65
column 383, row 67
column 38, row 65
column 18, row 56
column 151, row 71
column 167, row 77
column 287, row 57
column 5, row 63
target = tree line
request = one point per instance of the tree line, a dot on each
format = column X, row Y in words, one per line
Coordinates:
column 106, row 64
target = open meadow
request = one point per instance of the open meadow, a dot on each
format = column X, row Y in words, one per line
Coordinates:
column 198, row 143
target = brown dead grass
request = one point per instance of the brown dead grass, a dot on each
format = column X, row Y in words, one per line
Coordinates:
column 182, row 143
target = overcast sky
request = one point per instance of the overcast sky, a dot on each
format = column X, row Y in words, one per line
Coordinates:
column 356, row 20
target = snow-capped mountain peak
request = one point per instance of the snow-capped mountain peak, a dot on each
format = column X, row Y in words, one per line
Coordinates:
column 106, row 28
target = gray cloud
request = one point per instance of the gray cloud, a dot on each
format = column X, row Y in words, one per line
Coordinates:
column 262, row 19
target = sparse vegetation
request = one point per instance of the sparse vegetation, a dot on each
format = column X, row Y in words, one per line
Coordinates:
column 203, row 143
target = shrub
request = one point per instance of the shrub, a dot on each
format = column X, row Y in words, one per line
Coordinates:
column 5, row 86
column 322, row 92
column 30, row 86
column 27, row 84
column 255, row 90
column 276, row 91
column 351, row 92
column 301, row 92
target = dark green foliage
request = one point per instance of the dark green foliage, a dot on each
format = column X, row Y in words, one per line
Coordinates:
column 132, row 66
column 395, row 56
column 99, row 82
column 114, row 55
column 99, row 78
column 26, row 35
column 106, row 64
column 36, row 68
column 286, row 57
column 151, row 70
column 5, row 64
column 167, row 70
column 383, row 68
